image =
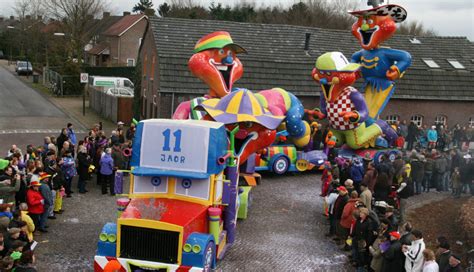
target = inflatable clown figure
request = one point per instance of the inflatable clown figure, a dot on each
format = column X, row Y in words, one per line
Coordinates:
column 380, row 66
column 257, row 126
column 216, row 63
column 343, row 106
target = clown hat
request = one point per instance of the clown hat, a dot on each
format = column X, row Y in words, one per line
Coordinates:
column 398, row 13
column 44, row 176
column 240, row 105
column 35, row 183
column 218, row 39
column 335, row 61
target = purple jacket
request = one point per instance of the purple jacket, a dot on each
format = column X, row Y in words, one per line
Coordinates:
column 106, row 165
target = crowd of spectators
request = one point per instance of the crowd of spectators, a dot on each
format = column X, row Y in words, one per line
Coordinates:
column 366, row 201
column 34, row 183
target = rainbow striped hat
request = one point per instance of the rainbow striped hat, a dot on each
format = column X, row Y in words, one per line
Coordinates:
column 240, row 105
column 218, row 39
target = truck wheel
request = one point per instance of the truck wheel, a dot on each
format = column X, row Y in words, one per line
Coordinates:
column 281, row 165
column 209, row 257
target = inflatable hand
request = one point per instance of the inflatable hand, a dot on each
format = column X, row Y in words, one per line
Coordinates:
column 393, row 73
column 351, row 116
column 315, row 112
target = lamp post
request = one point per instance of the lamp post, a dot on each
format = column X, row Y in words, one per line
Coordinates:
column 11, row 44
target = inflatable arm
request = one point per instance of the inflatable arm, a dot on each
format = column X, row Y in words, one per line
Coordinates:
column 182, row 111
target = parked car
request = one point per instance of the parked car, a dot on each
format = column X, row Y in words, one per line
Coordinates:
column 109, row 82
column 24, row 68
column 119, row 92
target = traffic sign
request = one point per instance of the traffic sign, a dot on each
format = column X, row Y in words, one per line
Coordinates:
column 84, row 77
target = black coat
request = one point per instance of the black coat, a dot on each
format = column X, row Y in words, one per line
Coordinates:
column 392, row 258
column 443, row 260
column 83, row 162
column 339, row 206
column 363, row 232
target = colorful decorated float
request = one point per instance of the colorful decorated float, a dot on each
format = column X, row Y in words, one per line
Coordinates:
column 184, row 199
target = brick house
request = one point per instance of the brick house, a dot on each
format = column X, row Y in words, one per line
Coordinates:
column 118, row 44
column 438, row 87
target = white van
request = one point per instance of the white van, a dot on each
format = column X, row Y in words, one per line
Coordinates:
column 112, row 82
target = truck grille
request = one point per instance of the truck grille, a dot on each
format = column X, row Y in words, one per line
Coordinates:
column 149, row 244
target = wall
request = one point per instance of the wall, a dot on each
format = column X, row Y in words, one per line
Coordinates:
column 129, row 42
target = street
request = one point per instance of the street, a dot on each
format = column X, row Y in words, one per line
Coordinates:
column 284, row 232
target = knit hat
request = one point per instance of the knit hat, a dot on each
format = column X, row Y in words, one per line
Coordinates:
column 14, row 230
column 395, row 234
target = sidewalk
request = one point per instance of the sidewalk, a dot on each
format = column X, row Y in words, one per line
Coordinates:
column 72, row 106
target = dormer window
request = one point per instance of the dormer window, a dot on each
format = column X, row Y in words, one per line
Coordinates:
column 415, row 41
column 431, row 63
column 456, row 64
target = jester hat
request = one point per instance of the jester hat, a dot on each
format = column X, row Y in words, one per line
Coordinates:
column 398, row 13
column 217, row 40
column 240, row 105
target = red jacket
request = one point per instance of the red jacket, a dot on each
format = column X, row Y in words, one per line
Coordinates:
column 346, row 219
column 33, row 199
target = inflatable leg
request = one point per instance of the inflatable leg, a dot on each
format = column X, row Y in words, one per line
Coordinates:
column 297, row 128
column 362, row 136
column 388, row 131
column 377, row 99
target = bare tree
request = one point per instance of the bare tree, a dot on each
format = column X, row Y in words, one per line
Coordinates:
column 77, row 17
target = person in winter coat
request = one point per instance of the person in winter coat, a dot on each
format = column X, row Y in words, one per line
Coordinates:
column 26, row 262
column 338, row 210
column 331, row 200
column 71, row 134
column 10, row 184
column 382, row 188
column 417, row 172
column 366, row 196
column 361, row 239
column 83, row 162
column 404, row 191
column 62, row 138
column 430, row 264
column 370, row 177
column 392, row 257
column 412, row 135
column 357, row 173
column 392, row 219
column 35, row 202
column 432, row 136
column 456, row 180
column 68, row 166
column 414, row 253
column 439, row 171
column 443, row 253
column 107, row 172
column 427, row 177
column 27, row 219
column 376, row 252
column 454, row 264
column 47, row 195
column 349, row 208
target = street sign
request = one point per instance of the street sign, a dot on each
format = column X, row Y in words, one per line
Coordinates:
column 84, row 77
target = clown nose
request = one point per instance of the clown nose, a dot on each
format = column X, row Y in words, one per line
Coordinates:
column 364, row 27
column 323, row 81
column 227, row 60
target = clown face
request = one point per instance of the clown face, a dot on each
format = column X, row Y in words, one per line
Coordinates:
column 333, row 83
column 250, row 138
column 371, row 31
column 218, row 68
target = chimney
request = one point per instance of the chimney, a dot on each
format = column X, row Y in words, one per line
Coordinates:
column 12, row 18
column 125, row 13
column 306, row 41
column 105, row 14
column 28, row 17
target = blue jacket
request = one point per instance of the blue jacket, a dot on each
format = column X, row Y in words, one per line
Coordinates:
column 69, row 167
column 72, row 136
column 47, row 194
column 357, row 173
column 106, row 165
column 432, row 135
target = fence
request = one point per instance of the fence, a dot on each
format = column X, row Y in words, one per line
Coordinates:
column 62, row 85
column 111, row 107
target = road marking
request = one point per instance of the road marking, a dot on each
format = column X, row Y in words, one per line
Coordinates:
column 34, row 131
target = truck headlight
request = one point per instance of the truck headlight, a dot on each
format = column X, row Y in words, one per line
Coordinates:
column 103, row 237
column 112, row 238
column 196, row 249
column 187, row 248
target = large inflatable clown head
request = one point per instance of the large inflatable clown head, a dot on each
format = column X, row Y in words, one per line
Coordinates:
column 256, row 125
column 215, row 62
column 376, row 25
column 334, row 72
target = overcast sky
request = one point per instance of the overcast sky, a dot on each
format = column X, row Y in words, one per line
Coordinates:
column 446, row 17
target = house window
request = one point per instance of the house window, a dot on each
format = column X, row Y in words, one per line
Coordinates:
column 471, row 122
column 441, row 120
column 392, row 119
column 456, row 64
column 130, row 62
column 431, row 63
column 417, row 119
